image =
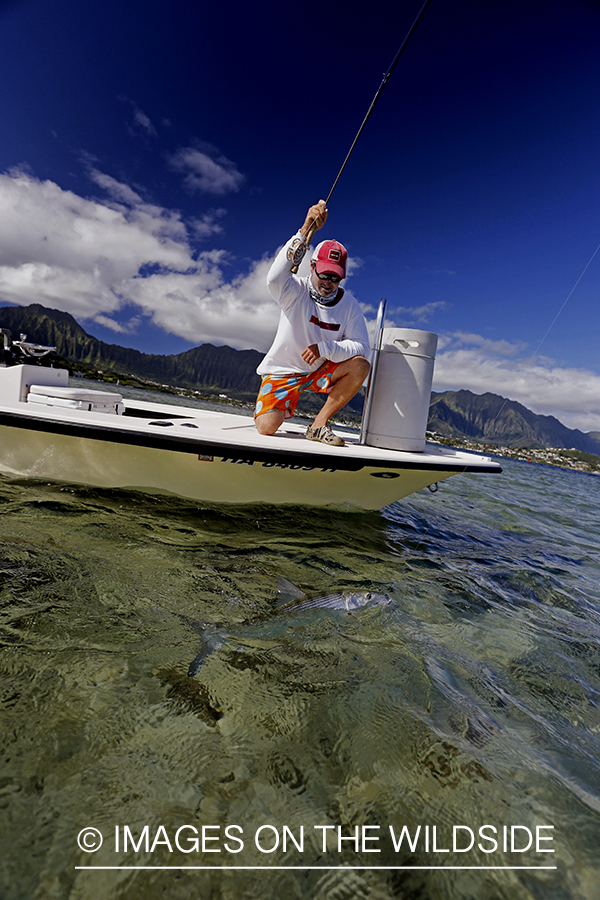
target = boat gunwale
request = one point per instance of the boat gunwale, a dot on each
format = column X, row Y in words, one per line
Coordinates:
column 205, row 446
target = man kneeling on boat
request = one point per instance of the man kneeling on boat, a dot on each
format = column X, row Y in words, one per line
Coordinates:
column 321, row 343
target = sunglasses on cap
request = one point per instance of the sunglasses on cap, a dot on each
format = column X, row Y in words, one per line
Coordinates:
column 334, row 279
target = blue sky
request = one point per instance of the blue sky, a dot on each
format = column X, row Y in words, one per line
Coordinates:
column 154, row 156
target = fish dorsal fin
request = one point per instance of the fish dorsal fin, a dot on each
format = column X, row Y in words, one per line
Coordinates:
column 287, row 591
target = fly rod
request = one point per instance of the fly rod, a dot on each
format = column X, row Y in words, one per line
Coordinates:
column 385, row 80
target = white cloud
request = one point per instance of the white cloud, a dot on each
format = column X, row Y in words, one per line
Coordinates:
column 141, row 122
column 419, row 314
column 206, row 170
column 208, row 224
column 353, row 264
column 119, row 192
column 153, row 219
column 92, row 258
column 114, row 326
column 203, row 307
column 461, row 339
column 471, row 362
column 62, row 250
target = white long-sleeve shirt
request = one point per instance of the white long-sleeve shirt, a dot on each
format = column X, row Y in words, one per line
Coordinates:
column 339, row 330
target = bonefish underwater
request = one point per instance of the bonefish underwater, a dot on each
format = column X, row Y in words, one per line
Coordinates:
column 290, row 600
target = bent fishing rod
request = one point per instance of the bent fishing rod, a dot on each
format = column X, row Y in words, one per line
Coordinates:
column 385, row 80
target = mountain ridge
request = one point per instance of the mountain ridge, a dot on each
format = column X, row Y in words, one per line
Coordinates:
column 212, row 368
column 492, row 419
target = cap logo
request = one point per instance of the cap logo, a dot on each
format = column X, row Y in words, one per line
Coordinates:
column 334, row 255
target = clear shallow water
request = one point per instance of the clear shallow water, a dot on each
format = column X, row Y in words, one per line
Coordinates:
column 471, row 700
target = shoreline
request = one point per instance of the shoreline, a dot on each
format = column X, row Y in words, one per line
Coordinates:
column 559, row 457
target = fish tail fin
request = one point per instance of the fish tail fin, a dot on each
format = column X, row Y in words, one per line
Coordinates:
column 211, row 640
column 199, row 660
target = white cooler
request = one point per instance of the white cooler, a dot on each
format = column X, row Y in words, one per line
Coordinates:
column 76, row 398
column 401, row 393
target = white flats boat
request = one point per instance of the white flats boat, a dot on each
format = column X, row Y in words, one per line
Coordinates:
column 51, row 430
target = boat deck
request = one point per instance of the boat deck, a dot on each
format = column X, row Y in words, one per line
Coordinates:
column 161, row 447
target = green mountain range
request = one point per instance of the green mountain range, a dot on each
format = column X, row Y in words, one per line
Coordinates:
column 491, row 419
column 208, row 368
column 485, row 418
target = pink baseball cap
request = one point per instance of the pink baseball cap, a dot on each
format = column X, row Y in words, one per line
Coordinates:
column 331, row 256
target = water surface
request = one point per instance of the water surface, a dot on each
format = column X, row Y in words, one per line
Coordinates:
column 471, row 700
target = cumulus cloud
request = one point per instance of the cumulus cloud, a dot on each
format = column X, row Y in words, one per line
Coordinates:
column 420, row 314
column 117, row 327
column 461, row 339
column 208, row 224
column 128, row 203
column 474, row 363
column 206, row 170
column 202, row 307
column 353, row 263
column 93, row 257
column 60, row 249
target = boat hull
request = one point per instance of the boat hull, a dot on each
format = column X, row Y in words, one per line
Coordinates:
column 233, row 477
column 49, row 429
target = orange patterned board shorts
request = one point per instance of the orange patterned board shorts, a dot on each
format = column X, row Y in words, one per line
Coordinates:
column 283, row 392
